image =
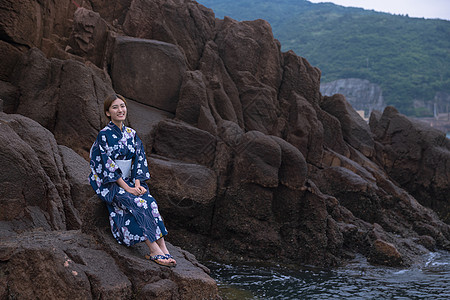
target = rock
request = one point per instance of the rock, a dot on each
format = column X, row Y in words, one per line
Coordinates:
column 9, row 95
column 77, row 172
column 176, row 140
column 65, row 265
column 44, row 25
column 144, row 118
column 258, row 52
column 182, row 23
column 183, row 180
column 155, row 82
column 193, row 97
column 301, row 78
column 332, row 133
column 9, row 55
column 257, row 160
column 248, row 160
column 355, row 130
column 360, row 93
column 305, row 131
column 293, row 169
column 224, row 91
column 113, row 12
column 34, row 188
column 385, row 253
column 89, row 36
column 71, row 94
column 416, row 156
column 255, row 67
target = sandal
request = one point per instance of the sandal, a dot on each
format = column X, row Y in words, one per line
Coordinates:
column 157, row 259
column 170, row 257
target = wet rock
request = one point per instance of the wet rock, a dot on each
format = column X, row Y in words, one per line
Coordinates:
column 385, row 253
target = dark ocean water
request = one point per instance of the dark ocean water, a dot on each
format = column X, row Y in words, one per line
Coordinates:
column 429, row 279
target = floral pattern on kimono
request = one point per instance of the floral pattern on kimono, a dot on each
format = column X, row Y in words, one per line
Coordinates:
column 133, row 219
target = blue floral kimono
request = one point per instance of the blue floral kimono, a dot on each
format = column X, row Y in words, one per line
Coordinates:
column 133, row 218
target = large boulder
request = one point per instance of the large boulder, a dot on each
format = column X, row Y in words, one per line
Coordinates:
column 148, row 71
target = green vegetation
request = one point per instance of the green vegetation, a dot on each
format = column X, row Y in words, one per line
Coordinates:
column 408, row 57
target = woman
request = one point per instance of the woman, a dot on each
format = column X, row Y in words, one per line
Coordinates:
column 118, row 173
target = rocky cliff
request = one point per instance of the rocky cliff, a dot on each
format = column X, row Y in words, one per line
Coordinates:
column 360, row 93
column 248, row 160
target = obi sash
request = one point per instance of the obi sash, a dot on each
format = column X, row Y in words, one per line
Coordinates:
column 125, row 167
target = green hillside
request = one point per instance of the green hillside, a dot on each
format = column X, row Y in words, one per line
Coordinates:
column 408, row 57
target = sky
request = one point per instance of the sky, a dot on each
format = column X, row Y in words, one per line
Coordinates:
column 429, row 9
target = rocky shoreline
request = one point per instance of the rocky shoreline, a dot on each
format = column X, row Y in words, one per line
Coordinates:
column 249, row 162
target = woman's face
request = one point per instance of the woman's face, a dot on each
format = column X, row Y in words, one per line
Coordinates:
column 117, row 111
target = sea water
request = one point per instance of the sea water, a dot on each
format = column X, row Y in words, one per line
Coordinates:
column 429, row 279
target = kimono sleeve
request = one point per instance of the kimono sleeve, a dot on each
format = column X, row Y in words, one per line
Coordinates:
column 140, row 166
column 104, row 171
column 107, row 169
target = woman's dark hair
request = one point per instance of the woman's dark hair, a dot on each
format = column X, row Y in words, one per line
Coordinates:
column 109, row 100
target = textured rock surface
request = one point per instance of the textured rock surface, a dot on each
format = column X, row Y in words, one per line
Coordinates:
column 248, row 160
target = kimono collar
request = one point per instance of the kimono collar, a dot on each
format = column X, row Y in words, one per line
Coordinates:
column 114, row 127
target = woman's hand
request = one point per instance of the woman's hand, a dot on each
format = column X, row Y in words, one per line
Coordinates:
column 140, row 189
column 137, row 190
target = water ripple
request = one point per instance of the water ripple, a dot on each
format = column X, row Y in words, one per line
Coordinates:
column 357, row 280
